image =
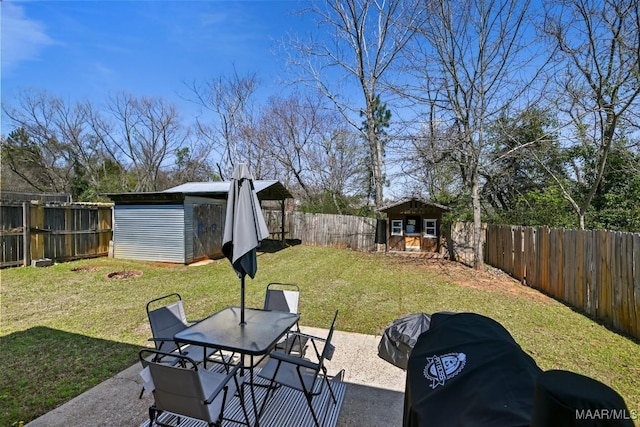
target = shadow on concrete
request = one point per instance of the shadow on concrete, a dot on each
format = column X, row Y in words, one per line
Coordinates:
column 370, row 406
column 43, row 368
column 114, row 402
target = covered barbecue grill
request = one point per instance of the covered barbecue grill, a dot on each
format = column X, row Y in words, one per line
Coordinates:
column 467, row 370
column 399, row 338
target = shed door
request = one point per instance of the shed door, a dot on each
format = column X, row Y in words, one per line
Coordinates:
column 412, row 242
column 412, row 238
column 208, row 226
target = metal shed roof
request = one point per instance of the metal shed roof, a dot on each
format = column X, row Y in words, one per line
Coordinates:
column 266, row 190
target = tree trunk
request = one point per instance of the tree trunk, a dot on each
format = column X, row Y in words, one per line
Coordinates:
column 478, row 256
column 376, row 150
column 378, row 174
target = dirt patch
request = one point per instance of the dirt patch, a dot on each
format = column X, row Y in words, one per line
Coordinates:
column 123, row 275
column 201, row 262
column 165, row 264
column 88, row 269
column 490, row 278
column 143, row 328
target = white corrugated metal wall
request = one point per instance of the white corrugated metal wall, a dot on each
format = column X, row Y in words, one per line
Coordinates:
column 149, row 232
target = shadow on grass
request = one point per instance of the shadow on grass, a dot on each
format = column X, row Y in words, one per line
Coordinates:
column 43, row 368
column 272, row 246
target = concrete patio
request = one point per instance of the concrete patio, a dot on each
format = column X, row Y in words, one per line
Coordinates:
column 374, row 394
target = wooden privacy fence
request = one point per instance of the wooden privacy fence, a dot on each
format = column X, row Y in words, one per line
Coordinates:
column 340, row 231
column 58, row 232
column 459, row 241
column 597, row 271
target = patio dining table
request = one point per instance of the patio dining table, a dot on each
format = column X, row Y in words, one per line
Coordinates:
column 253, row 340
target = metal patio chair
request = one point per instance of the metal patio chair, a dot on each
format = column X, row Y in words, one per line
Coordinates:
column 302, row 374
column 167, row 317
column 285, row 297
column 185, row 390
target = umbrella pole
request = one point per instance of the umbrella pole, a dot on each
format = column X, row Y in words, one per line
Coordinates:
column 242, row 322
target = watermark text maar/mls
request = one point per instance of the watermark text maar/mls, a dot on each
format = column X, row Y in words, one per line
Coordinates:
column 607, row 414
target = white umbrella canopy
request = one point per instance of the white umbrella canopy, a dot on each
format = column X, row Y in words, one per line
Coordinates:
column 244, row 227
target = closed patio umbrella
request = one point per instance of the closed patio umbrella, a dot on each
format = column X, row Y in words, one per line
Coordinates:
column 244, row 228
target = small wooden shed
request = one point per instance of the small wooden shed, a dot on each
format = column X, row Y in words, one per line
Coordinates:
column 180, row 225
column 414, row 225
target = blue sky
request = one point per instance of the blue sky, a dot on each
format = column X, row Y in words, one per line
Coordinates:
column 88, row 49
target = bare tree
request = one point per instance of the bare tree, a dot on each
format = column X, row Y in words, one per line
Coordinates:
column 597, row 83
column 367, row 37
column 286, row 130
column 337, row 161
column 230, row 100
column 467, row 64
column 431, row 171
column 53, row 143
column 144, row 136
column 306, row 146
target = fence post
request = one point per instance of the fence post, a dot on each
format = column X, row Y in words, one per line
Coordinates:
column 26, row 233
column 37, row 238
column 636, row 284
column 68, row 237
column 282, row 223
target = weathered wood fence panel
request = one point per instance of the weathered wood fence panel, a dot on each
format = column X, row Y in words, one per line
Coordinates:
column 12, row 236
column 59, row 232
column 460, row 246
column 340, row 231
column 595, row 271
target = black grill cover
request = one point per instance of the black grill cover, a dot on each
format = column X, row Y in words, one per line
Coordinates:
column 467, row 370
column 568, row 399
column 399, row 338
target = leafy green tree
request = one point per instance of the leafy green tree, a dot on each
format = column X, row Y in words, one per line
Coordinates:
column 189, row 167
column 616, row 203
column 519, row 144
column 541, row 206
column 597, row 86
column 81, row 189
column 615, row 206
column 39, row 169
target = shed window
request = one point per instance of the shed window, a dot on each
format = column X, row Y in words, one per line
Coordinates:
column 396, row 227
column 430, row 228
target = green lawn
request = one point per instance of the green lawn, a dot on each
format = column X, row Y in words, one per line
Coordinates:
column 64, row 331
